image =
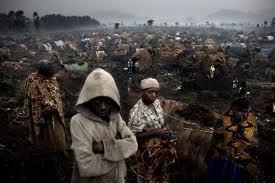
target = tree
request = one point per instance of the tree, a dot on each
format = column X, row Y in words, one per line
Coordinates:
column 36, row 20
column 150, row 22
column 20, row 19
column 117, row 25
column 28, row 23
column 165, row 23
column 177, row 23
column 265, row 23
column 273, row 22
column 60, row 21
column 35, row 14
column 11, row 15
column 11, row 19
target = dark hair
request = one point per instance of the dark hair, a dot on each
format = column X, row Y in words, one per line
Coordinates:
column 240, row 104
column 134, row 59
column 243, row 84
column 45, row 68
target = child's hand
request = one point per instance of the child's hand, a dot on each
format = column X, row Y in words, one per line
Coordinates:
column 98, row 147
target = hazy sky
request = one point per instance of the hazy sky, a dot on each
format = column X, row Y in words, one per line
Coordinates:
column 141, row 8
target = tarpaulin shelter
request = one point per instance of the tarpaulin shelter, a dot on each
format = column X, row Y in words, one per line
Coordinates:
column 144, row 59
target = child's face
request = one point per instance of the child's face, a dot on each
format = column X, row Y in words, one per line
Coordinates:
column 101, row 106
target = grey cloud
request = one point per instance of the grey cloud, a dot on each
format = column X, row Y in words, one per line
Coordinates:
column 141, row 8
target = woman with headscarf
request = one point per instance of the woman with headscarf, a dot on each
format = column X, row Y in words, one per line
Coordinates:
column 157, row 144
column 101, row 141
column 44, row 107
column 47, row 132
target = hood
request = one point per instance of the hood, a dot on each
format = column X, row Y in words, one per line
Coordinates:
column 98, row 83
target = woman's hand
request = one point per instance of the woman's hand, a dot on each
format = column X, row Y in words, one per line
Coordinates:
column 152, row 132
column 164, row 132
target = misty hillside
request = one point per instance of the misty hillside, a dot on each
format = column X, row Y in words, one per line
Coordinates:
column 235, row 16
column 222, row 16
column 116, row 16
column 269, row 13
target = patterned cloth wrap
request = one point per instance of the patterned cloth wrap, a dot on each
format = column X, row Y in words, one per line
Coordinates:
column 41, row 92
column 155, row 157
column 240, row 139
column 156, row 154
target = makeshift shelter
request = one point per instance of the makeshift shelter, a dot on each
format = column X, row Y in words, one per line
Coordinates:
column 122, row 50
column 199, row 56
column 266, row 51
column 144, row 59
column 272, row 58
column 47, row 47
column 232, row 62
column 43, row 55
column 268, row 38
column 218, row 61
column 59, row 43
column 4, row 54
column 100, row 55
column 210, row 41
column 19, row 51
column 72, row 45
column 237, row 50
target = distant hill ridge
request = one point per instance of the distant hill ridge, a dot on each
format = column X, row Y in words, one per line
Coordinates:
column 228, row 15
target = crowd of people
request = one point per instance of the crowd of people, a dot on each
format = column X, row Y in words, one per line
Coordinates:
column 102, row 140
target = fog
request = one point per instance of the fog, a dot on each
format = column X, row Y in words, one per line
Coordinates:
column 141, row 8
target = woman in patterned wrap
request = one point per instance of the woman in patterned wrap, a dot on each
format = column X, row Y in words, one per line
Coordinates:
column 157, row 144
column 235, row 159
column 44, row 108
